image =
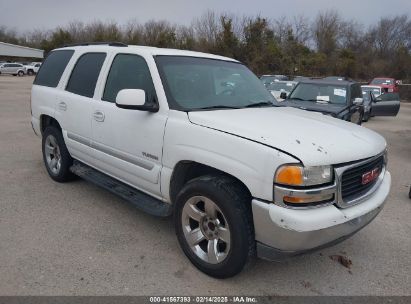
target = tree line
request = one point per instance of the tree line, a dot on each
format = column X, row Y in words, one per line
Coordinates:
column 326, row 45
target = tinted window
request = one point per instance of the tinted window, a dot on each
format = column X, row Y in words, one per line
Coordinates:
column 84, row 76
column 52, row 68
column 128, row 72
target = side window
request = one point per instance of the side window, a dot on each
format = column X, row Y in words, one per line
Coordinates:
column 52, row 68
column 128, row 72
column 85, row 73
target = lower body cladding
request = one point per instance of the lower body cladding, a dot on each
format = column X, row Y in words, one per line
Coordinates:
column 281, row 232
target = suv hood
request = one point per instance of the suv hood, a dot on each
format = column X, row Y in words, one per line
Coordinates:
column 313, row 138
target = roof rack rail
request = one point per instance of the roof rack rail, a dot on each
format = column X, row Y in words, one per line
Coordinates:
column 112, row 43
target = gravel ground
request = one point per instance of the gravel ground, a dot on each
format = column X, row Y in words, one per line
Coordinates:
column 77, row 239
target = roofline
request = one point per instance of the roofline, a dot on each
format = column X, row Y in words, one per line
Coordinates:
column 327, row 81
column 154, row 51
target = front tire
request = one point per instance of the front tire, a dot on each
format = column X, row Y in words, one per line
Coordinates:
column 366, row 117
column 20, row 73
column 214, row 226
column 56, row 156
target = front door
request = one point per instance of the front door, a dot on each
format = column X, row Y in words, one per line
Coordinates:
column 386, row 105
column 128, row 143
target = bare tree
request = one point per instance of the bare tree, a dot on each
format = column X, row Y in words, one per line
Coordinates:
column 326, row 31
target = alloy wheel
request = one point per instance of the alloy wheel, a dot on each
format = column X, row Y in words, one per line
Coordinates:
column 206, row 229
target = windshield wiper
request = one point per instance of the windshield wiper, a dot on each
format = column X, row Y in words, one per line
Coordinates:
column 259, row 104
column 216, row 107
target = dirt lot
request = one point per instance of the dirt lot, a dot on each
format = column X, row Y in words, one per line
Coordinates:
column 77, row 239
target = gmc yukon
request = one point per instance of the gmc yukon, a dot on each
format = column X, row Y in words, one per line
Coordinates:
column 197, row 136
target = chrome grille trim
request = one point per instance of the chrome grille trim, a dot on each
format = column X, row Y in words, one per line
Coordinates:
column 339, row 171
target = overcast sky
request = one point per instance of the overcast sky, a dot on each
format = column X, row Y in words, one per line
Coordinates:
column 23, row 15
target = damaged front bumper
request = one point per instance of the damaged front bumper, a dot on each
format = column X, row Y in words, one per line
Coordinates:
column 281, row 232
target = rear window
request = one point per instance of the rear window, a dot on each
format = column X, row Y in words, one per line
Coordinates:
column 84, row 76
column 52, row 68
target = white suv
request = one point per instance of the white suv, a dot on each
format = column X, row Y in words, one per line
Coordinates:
column 197, row 136
column 15, row 69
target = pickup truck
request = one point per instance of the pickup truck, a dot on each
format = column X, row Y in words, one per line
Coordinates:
column 32, row 68
column 197, row 137
column 389, row 85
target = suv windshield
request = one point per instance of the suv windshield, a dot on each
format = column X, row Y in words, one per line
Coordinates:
column 193, row 83
column 321, row 93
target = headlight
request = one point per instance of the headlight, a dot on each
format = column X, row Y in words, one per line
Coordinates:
column 297, row 175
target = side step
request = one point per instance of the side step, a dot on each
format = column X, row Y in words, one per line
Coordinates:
column 141, row 200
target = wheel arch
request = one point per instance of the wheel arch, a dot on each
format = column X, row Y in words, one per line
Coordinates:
column 186, row 170
column 47, row 120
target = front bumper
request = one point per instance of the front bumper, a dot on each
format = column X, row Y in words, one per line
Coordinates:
column 282, row 232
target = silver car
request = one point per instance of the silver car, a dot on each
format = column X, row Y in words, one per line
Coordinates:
column 15, row 69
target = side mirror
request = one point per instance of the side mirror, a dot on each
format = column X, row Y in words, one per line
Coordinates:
column 134, row 99
column 283, row 95
column 358, row 101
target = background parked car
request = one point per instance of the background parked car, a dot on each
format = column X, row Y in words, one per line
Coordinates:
column 338, row 98
column 375, row 90
column 32, row 68
column 12, row 69
column 389, row 85
column 267, row 79
column 277, row 87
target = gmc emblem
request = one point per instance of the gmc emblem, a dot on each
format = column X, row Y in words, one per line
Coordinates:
column 369, row 176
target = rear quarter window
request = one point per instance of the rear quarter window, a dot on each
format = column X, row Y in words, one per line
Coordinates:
column 53, row 67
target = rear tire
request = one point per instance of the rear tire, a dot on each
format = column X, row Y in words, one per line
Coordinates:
column 30, row 72
column 56, row 157
column 214, row 226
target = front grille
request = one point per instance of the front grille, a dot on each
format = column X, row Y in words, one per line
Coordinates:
column 351, row 181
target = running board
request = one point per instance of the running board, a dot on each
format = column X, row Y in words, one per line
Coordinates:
column 139, row 199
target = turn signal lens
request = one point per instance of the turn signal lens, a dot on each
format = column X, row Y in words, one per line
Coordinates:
column 290, row 175
column 308, row 199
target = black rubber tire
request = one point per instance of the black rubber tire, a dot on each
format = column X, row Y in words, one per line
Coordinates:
column 235, row 203
column 64, row 174
column 30, row 72
column 20, row 73
column 359, row 122
column 366, row 117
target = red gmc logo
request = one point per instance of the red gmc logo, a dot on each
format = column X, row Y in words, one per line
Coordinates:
column 369, row 176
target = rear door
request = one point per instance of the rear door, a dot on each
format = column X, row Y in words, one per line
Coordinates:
column 386, row 105
column 7, row 68
column 73, row 107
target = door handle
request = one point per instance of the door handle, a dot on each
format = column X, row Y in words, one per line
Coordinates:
column 62, row 106
column 99, row 116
